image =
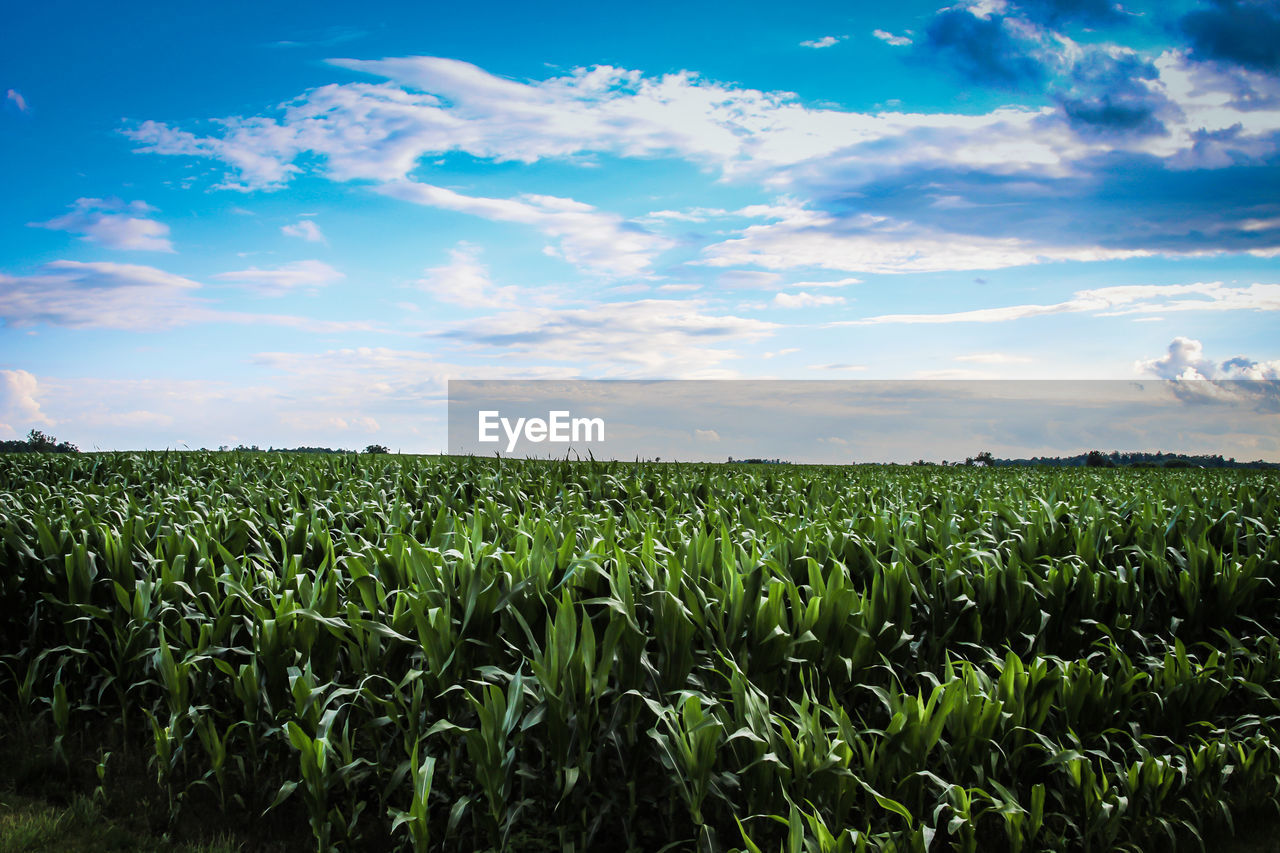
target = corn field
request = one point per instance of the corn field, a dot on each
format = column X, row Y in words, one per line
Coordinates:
column 457, row 654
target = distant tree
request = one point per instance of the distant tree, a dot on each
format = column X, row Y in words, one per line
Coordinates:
column 1097, row 459
column 984, row 458
column 377, row 448
column 38, row 442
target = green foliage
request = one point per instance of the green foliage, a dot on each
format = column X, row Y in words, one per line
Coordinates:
column 38, row 442
column 442, row 653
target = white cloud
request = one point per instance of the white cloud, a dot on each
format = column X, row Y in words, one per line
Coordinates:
column 132, row 297
column 114, row 224
column 1185, row 359
column 1209, row 98
column 706, row 435
column 19, row 403
column 1110, row 302
column 587, row 237
column 843, row 282
column 259, row 150
column 465, row 281
column 16, row 97
column 431, row 106
column 825, row 41
column 647, row 338
column 434, row 105
column 775, row 354
column 693, row 214
column 804, row 299
column 283, row 279
column 890, row 38
column 801, row 237
column 98, row 295
column 305, row 229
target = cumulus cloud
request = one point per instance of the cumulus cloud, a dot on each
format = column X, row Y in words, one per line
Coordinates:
column 1200, row 380
column 131, row 297
column 19, row 403
column 114, row 224
column 586, row 237
column 1185, row 359
column 646, row 338
column 305, row 229
column 465, row 281
column 283, row 279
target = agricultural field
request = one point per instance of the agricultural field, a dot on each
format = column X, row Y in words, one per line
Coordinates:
column 447, row 654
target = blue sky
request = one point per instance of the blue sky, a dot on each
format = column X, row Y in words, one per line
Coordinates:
column 292, row 227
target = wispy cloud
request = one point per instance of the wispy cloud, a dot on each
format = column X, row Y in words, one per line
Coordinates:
column 1023, row 183
column 114, row 224
column 586, row 237
column 305, row 229
column 840, row 282
column 465, row 281
column 1110, row 302
column 804, row 299
column 837, row 367
column 825, row 41
column 327, row 37
column 801, row 237
column 15, row 97
column 648, row 338
column 132, row 297
column 889, row 38
column 283, row 279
